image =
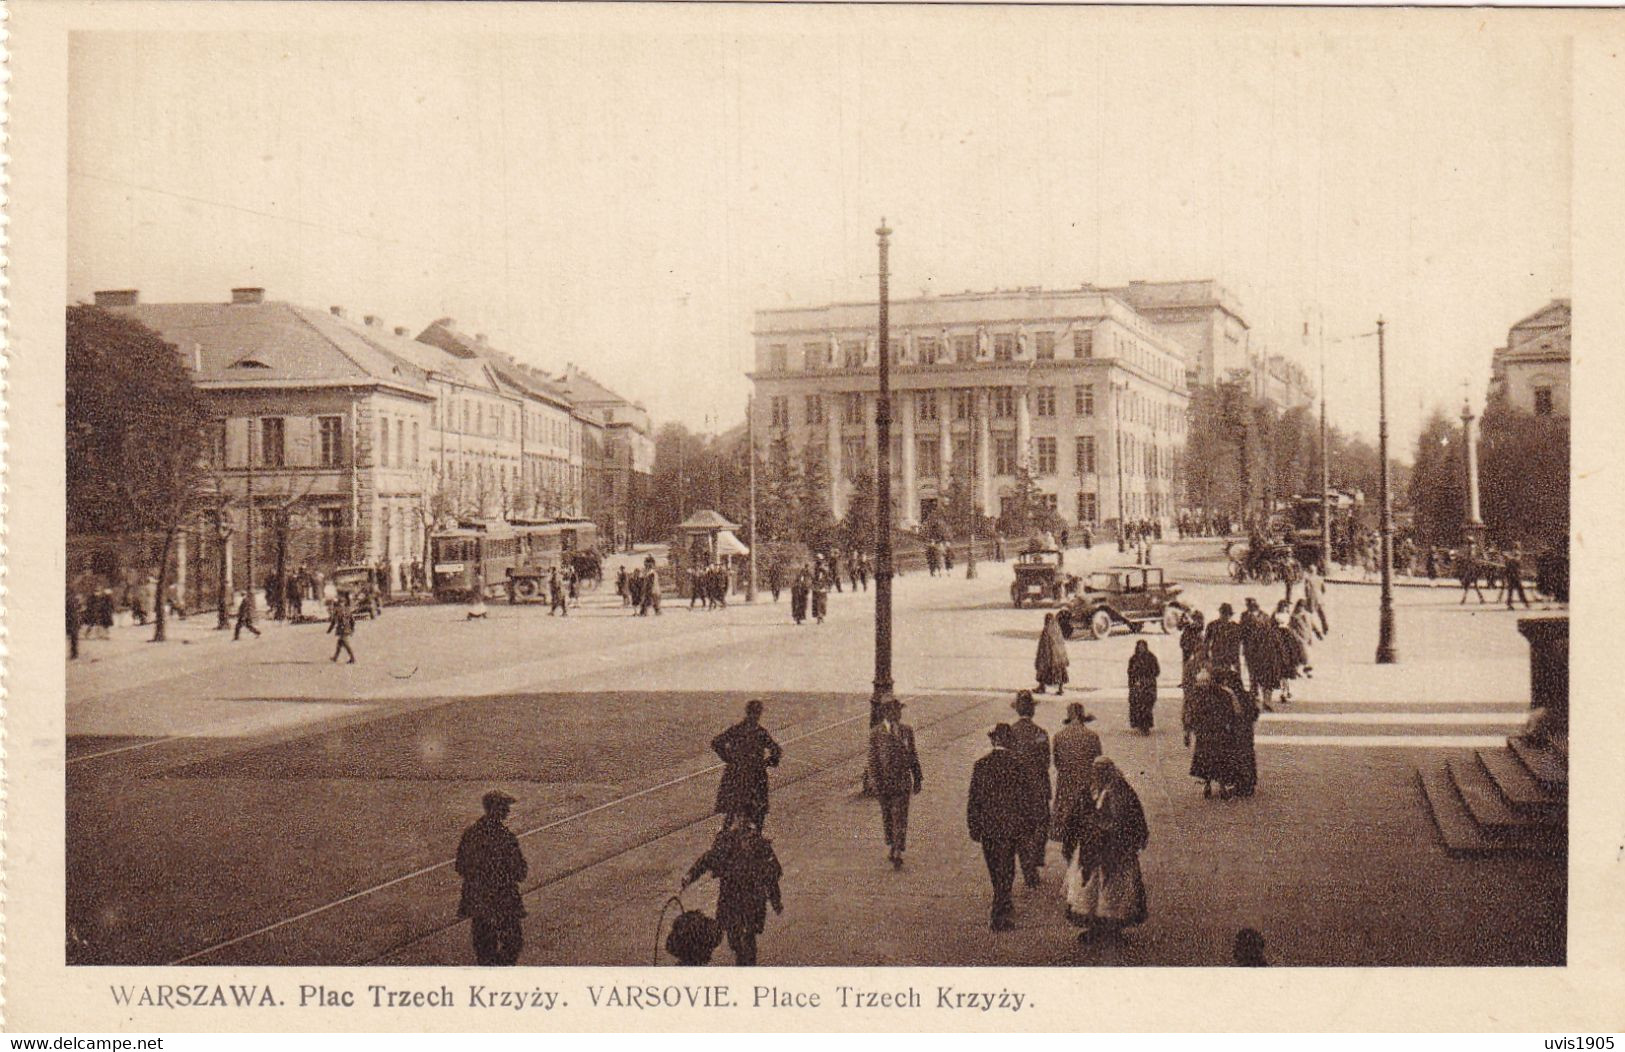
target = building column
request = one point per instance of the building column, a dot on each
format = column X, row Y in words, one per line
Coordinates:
column 984, row 447
column 1024, row 428
column 833, row 458
column 871, row 430
column 904, row 406
column 945, row 464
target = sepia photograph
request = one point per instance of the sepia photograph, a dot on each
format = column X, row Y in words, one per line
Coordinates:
column 809, row 487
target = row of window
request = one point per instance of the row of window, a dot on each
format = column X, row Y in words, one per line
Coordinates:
column 1001, row 406
column 1140, row 459
column 962, row 349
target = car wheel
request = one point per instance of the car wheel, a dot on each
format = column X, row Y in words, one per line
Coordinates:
column 1100, row 625
column 1064, row 621
column 1173, row 619
column 526, row 588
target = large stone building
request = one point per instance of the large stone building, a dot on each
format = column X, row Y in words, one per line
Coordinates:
column 1077, row 385
column 1532, row 371
column 619, row 494
column 350, row 441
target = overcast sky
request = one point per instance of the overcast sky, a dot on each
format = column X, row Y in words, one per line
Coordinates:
column 624, row 195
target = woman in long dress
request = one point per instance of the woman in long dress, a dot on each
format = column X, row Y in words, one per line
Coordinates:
column 1304, row 627
column 1051, row 661
column 1193, row 654
column 798, row 597
column 1212, row 722
column 1293, row 655
column 1143, row 671
column 1109, row 895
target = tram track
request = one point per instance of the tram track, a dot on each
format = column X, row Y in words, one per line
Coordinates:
column 691, row 813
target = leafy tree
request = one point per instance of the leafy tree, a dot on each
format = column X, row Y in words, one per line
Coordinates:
column 1524, row 476
column 135, row 436
column 1438, row 482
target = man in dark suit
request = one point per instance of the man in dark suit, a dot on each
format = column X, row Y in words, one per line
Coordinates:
column 748, row 751
column 491, row 865
column 1029, row 744
column 894, row 775
column 999, row 816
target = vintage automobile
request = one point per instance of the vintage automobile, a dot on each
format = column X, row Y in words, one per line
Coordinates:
column 1135, row 596
column 1040, row 577
column 360, row 585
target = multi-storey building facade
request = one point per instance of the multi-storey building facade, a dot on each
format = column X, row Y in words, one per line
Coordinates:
column 622, row 459
column 1532, row 371
column 365, row 438
column 1073, row 384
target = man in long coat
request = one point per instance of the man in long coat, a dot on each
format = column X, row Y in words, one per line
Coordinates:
column 491, row 865
column 1261, row 645
column 1224, row 650
column 999, row 816
column 1075, row 748
column 748, row 751
column 894, row 775
column 1030, row 745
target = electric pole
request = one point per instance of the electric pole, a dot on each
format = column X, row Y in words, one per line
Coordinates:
column 1385, row 617
column 883, row 560
column 750, row 435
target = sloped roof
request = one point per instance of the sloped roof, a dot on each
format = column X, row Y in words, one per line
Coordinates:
column 706, row 519
column 508, row 370
column 424, row 356
column 270, row 342
column 1555, row 315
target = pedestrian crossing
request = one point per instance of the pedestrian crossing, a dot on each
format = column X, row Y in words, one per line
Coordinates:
column 1391, row 724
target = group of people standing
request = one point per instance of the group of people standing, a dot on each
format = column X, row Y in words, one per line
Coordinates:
column 639, row 588
column 708, row 585
column 1093, row 813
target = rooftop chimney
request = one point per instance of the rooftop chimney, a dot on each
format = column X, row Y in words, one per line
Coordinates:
column 338, row 312
column 373, row 320
column 400, row 330
column 248, row 295
column 118, row 297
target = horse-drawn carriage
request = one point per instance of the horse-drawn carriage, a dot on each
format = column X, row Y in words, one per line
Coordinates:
column 1262, row 562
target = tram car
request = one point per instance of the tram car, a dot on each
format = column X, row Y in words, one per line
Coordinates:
column 472, row 559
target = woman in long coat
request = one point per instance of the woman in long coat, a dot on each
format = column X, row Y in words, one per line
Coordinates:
column 1193, row 652
column 747, row 751
column 798, row 597
column 1051, row 661
column 1304, row 627
column 1111, row 896
column 1073, row 751
column 1212, row 721
column 1143, row 670
column 820, row 593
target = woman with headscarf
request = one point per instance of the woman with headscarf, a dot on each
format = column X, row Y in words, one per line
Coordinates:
column 1051, row 661
column 1143, row 670
column 1111, row 896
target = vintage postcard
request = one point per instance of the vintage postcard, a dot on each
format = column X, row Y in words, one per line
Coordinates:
column 954, row 517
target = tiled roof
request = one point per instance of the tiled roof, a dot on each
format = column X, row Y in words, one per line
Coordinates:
column 264, row 342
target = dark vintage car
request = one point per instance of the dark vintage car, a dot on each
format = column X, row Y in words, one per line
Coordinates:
column 360, row 585
column 1040, row 577
column 1134, row 596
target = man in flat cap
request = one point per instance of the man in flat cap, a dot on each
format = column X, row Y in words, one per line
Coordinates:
column 999, row 815
column 894, row 774
column 491, row 865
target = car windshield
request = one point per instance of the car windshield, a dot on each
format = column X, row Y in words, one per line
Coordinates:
column 1041, row 558
column 1104, row 582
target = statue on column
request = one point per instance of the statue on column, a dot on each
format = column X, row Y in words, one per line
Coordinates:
column 984, row 345
column 833, row 355
column 1023, row 342
column 870, row 355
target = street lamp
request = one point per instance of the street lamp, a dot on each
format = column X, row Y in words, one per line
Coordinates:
column 883, row 560
column 1385, row 616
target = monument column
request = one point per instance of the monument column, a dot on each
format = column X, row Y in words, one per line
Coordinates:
column 909, row 511
column 1473, row 529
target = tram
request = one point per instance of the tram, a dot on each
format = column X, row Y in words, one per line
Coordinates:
column 499, row 558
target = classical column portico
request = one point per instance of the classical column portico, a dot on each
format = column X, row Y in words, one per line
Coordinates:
column 945, row 461
column 984, row 444
column 909, row 506
column 833, row 459
column 1024, row 428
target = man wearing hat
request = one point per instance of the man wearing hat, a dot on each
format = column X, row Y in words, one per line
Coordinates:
column 491, row 865
column 1029, row 744
column 999, row 815
column 894, row 774
column 1075, row 749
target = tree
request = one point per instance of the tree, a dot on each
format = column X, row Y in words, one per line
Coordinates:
column 1025, row 512
column 135, row 436
column 1438, row 487
column 815, row 519
column 1524, row 476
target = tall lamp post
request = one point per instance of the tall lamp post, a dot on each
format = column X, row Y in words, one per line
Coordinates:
column 883, row 561
column 750, row 434
column 1325, row 466
column 1385, row 616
